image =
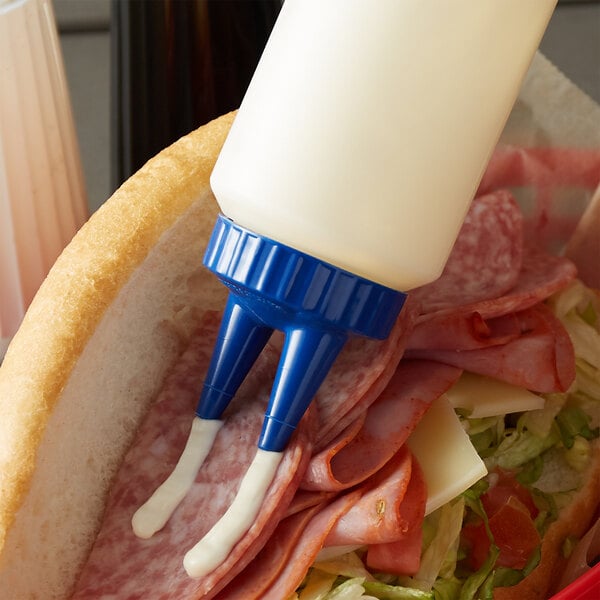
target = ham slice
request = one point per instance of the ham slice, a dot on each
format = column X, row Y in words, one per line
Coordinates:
column 545, row 175
column 388, row 423
column 542, row 359
column 402, row 556
column 304, row 499
column 378, row 515
column 514, row 166
column 463, row 331
column 390, row 506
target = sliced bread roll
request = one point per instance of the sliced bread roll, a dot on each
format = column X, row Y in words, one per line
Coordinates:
column 91, row 354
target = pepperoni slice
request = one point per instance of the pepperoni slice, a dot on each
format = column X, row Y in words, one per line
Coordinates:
column 513, row 531
column 486, row 258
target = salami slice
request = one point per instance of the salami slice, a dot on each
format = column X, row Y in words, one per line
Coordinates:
column 541, row 276
column 486, row 258
column 545, row 176
column 542, row 359
column 389, row 421
column 124, row 566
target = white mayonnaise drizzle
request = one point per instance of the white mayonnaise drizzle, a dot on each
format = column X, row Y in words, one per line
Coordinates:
column 216, row 545
column 154, row 514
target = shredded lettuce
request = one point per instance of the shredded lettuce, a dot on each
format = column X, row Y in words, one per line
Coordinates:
column 479, row 579
column 573, row 422
column 317, row 585
column 485, row 433
column 540, row 422
column 579, row 299
column 441, row 550
column 348, row 590
column 578, row 308
column 505, row 577
column 520, row 446
column 587, row 380
column 447, row 589
column 347, row 565
column 326, row 586
column 384, row 591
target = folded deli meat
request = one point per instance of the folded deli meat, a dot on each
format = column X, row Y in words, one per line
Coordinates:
column 348, row 477
column 456, row 458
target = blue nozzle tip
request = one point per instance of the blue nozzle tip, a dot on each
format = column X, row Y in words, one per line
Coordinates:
column 275, row 434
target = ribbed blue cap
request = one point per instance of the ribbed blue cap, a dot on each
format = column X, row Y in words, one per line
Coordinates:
column 317, row 305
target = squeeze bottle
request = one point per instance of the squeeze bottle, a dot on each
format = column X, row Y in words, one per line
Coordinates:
column 347, row 174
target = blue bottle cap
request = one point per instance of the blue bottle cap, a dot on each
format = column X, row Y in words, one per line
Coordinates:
column 317, row 306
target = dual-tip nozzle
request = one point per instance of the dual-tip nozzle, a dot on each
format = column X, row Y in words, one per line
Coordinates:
column 316, row 305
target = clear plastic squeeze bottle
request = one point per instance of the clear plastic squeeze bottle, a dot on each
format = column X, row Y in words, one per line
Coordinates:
column 359, row 144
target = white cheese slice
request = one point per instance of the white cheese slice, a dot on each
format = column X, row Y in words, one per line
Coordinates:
column 449, row 461
column 487, row 397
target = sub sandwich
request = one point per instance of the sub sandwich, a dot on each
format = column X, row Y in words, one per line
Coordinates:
column 98, row 387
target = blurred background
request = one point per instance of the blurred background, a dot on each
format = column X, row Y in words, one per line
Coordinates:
column 105, row 44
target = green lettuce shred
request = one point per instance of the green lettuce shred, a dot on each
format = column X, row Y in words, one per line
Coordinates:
column 384, row 591
column 573, row 422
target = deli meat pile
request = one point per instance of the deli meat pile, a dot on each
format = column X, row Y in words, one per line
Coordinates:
column 347, row 477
